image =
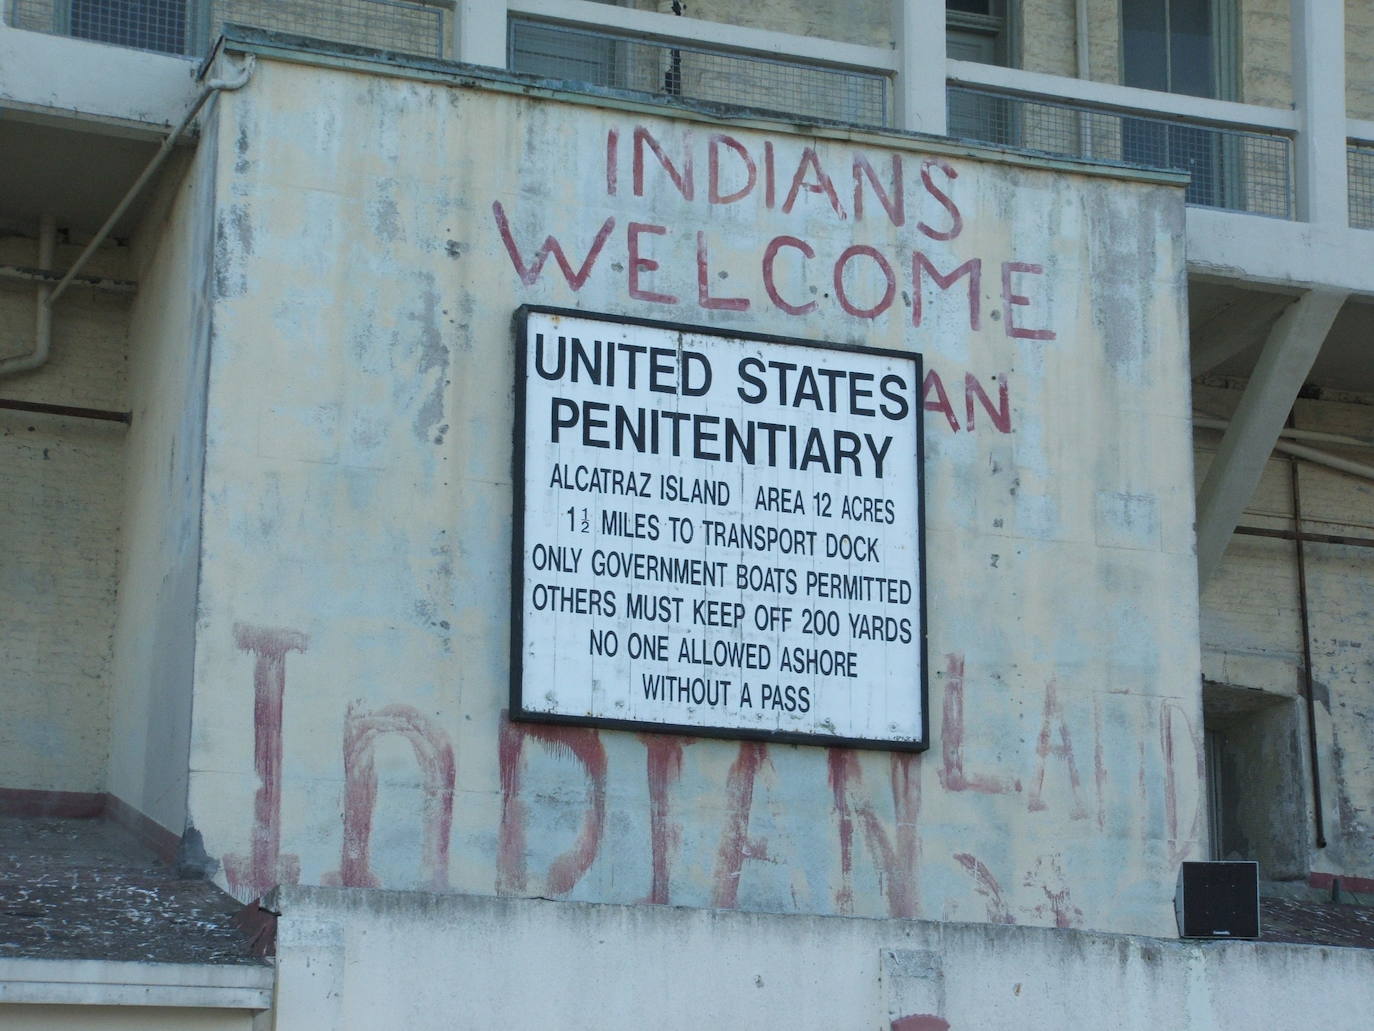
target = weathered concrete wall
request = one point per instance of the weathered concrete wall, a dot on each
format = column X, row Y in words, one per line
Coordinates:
column 352, row 648
column 1251, row 633
column 373, row 959
column 160, row 542
column 59, row 519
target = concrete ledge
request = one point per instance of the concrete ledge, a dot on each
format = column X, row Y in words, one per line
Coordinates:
column 130, row 90
column 355, row 958
column 99, row 983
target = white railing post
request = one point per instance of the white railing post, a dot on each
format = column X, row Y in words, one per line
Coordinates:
column 479, row 28
column 919, row 28
column 1319, row 91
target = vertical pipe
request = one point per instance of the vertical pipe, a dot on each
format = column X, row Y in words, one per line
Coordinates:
column 47, row 255
column 1320, row 826
column 1081, row 40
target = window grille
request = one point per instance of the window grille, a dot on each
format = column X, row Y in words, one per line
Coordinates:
column 186, row 26
column 1233, row 169
column 612, row 61
column 1359, row 163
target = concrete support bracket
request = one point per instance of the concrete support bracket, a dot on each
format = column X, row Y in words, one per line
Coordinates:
column 1233, row 329
column 1293, row 345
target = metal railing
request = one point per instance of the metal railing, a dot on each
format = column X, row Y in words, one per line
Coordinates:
column 1232, row 168
column 1359, row 166
column 187, row 26
column 698, row 72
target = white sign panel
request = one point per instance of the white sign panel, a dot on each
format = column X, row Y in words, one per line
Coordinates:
column 717, row 533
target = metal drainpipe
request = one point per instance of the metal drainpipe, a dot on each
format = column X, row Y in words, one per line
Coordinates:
column 1081, row 39
column 1312, row 454
column 47, row 297
column 47, row 250
column 1305, row 628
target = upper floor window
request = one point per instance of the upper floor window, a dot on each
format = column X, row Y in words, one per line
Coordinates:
column 978, row 30
column 1180, row 46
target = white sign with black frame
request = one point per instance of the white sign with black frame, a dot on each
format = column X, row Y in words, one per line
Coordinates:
column 717, row 533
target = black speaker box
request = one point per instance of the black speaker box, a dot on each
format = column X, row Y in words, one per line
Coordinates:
column 1218, row 900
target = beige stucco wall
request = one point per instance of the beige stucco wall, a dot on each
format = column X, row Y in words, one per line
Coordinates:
column 1251, row 629
column 59, row 519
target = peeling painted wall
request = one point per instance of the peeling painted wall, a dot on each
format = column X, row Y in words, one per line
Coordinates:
column 60, row 492
column 373, row 237
column 1252, row 638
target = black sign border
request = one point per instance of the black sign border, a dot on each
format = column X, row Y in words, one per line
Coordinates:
column 517, row 710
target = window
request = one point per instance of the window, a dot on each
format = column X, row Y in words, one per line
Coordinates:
column 1180, row 46
column 143, row 24
column 979, row 30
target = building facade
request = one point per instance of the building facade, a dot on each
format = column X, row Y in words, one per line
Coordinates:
column 269, row 504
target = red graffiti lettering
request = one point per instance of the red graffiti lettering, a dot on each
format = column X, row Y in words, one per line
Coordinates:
column 1054, row 716
column 894, row 202
column 266, row 866
column 941, row 402
column 585, row 747
column 920, row 1022
column 1058, row 904
column 1012, row 300
column 639, row 263
column 770, row 254
column 1099, row 765
column 612, row 162
column 889, row 290
column 952, row 775
column 1001, row 415
column 751, row 171
column 896, row 859
column 682, row 180
column 1179, row 845
column 434, row 756
column 986, row 885
column 769, row 179
column 529, row 272
column 735, row 844
column 956, row 220
column 822, row 185
column 663, row 765
column 923, row 266
column 704, row 297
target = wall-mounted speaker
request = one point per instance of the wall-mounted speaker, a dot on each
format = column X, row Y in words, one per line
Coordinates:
column 1218, row 900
